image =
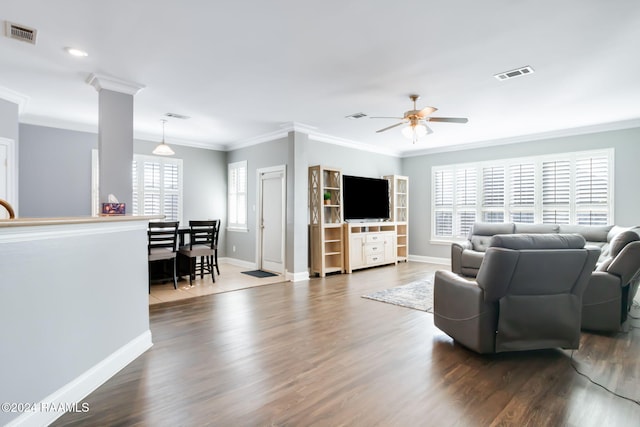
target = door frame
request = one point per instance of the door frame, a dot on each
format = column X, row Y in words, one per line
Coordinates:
column 259, row 173
column 12, row 172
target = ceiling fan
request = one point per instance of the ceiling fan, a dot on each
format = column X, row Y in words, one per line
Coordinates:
column 417, row 120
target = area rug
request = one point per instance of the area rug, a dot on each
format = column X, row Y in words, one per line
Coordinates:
column 259, row 273
column 417, row 295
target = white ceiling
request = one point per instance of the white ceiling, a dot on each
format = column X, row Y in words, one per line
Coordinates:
column 244, row 69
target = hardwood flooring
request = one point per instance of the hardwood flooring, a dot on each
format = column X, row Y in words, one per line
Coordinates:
column 315, row 353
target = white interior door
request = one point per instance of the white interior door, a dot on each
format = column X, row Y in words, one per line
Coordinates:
column 272, row 220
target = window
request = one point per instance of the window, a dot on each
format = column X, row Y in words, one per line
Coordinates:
column 570, row 188
column 237, row 195
column 157, row 186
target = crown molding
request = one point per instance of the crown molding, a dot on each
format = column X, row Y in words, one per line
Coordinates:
column 147, row 137
column 559, row 133
column 15, row 97
column 100, row 81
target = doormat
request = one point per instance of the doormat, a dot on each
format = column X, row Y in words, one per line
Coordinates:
column 259, row 273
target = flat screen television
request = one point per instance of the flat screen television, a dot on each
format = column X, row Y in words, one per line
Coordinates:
column 365, row 199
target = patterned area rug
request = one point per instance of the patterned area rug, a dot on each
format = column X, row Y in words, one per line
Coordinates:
column 417, row 295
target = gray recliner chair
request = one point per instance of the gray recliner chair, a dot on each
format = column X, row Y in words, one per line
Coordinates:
column 527, row 294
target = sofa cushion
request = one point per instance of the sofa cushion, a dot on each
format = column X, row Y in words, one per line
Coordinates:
column 522, row 228
column 591, row 233
column 537, row 241
column 481, row 233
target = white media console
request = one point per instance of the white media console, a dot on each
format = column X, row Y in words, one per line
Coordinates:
column 370, row 244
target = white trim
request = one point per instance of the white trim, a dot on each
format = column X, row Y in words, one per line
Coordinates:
column 86, row 383
column 101, row 81
column 530, row 138
column 12, row 173
column 42, row 232
column 297, row 277
column 239, row 263
column 15, row 97
column 430, row 260
column 506, row 208
column 280, row 169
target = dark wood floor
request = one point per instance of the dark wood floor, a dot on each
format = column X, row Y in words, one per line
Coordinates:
column 316, row 353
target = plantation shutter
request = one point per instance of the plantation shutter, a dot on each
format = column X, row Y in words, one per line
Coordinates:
column 237, row 194
column 592, row 190
column 556, row 192
column 465, row 200
column 443, row 197
column 171, row 192
column 157, row 187
column 522, row 192
column 151, row 199
column 493, row 194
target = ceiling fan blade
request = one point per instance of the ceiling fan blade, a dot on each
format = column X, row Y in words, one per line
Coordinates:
column 429, row 130
column 397, row 118
column 426, row 111
column 448, row 119
column 390, row 127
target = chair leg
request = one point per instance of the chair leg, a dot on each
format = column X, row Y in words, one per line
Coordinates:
column 201, row 267
column 175, row 278
column 192, row 270
column 215, row 256
column 210, row 267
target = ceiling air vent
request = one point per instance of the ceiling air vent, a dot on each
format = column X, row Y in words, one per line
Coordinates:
column 356, row 116
column 514, row 73
column 20, row 32
column 176, row 116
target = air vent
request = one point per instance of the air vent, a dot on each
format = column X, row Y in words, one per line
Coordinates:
column 514, row 73
column 355, row 116
column 176, row 116
column 20, row 32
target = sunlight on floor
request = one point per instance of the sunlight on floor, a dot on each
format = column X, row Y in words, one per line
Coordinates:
column 230, row 279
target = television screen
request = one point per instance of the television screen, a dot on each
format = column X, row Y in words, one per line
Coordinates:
column 365, row 198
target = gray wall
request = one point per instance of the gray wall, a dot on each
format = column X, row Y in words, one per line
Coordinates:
column 352, row 161
column 626, row 144
column 297, row 152
column 8, row 120
column 64, row 188
column 267, row 154
column 55, row 172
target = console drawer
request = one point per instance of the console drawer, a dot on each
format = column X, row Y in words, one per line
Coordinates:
column 375, row 259
column 374, row 238
column 374, row 248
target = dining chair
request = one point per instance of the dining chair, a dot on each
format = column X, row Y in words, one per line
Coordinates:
column 163, row 245
column 201, row 249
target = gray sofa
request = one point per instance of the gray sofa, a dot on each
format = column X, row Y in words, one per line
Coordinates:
column 527, row 294
column 609, row 294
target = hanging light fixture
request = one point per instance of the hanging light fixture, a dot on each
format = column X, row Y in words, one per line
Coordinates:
column 163, row 149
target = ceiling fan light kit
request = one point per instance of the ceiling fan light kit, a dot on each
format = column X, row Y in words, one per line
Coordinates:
column 417, row 121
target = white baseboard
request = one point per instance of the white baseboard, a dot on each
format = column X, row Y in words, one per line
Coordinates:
column 430, row 260
column 73, row 392
column 239, row 263
column 297, row 277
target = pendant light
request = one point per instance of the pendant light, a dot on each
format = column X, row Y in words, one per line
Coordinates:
column 163, row 149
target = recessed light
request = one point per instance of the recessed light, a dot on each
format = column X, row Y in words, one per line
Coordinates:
column 76, row 52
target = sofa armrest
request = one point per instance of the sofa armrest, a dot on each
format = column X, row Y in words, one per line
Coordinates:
column 456, row 297
column 627, row 263
column 456, row 255
column 459, row 310
column 602, row 287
